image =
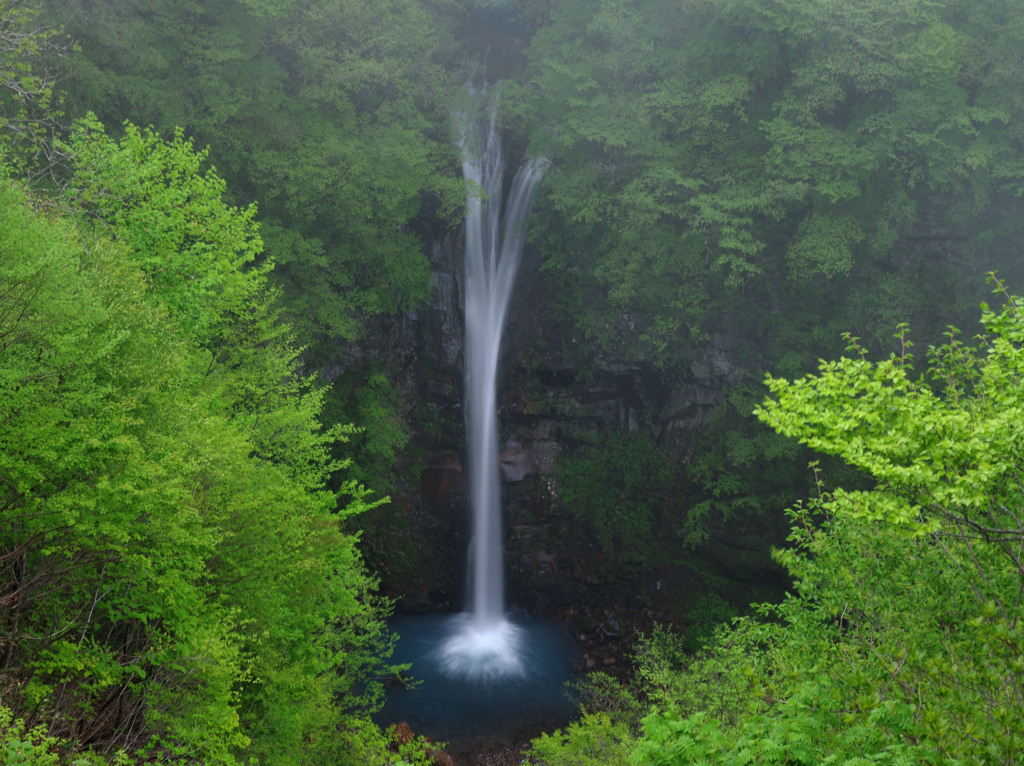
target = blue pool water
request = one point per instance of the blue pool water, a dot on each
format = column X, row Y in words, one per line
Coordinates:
column 454, row 703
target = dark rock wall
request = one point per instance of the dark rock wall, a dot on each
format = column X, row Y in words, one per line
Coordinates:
column 556, row 392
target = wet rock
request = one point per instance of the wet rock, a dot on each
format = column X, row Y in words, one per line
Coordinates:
column 440, row 758
column 516, row 462
column 589, row 623
column 683, row 399
column 612, row 627
column 440, row 481
column 446, row 264
column 544, row 561
column 715, row 368
column 545, row 456
column 417, row 603
column 521, row 459
column 442, row 386
column 403, row 733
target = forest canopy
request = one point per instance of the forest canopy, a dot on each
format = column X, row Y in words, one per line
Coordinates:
column 782, row 151
column 175, row 578
column 778, row 153
column 212, row 213
column 902, row 638
column 333, row 115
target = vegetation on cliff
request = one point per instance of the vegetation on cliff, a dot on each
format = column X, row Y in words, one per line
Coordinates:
column 178, row 576
column 333, row 115
column 738, row 164
column 759, row 177
column 175, row 577
column 902, row 640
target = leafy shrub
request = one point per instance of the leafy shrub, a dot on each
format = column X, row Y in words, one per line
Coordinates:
column 595, row 739
column 901, row 640
column 615, row 488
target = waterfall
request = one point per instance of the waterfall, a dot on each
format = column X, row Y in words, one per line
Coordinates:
column 485, row 643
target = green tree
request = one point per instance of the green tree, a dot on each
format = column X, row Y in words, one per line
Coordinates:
column 719, row 161
column 99, row 523
column 156, row 198
column 175, row 565
column 902, row 638
column 30, row 70
column 333, row 115
column 615, row 487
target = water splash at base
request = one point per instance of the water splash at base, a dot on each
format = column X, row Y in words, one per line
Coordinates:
column 479, row 650
column 467, row 707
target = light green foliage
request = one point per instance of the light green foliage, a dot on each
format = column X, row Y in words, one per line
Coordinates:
column 943, row 452
column 21, row 746
column 594, row 739
column 902, row 638
column 610, row 713
column 615, row 487
column 86, row 369
column 615, row 714
column 156, row 198
column 788, row 740
column 30, row 54
column 25, row 748
column 876, row 662
column 169, row 546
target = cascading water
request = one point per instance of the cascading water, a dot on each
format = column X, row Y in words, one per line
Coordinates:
column 485, row 644
column 485, row 674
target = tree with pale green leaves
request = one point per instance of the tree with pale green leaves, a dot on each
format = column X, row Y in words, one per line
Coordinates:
column 175, row 574
column 902, row 639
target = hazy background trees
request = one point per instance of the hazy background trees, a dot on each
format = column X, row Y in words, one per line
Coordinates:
column 761, row 174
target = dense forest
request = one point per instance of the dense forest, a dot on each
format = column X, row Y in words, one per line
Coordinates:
column 230, row 423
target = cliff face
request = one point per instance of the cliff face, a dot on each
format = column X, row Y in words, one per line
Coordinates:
column 562, row 393
column 557, row 396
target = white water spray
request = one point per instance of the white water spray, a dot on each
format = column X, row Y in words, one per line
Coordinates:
column 485, row 645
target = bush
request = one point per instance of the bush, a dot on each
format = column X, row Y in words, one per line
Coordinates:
column 615, row 488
